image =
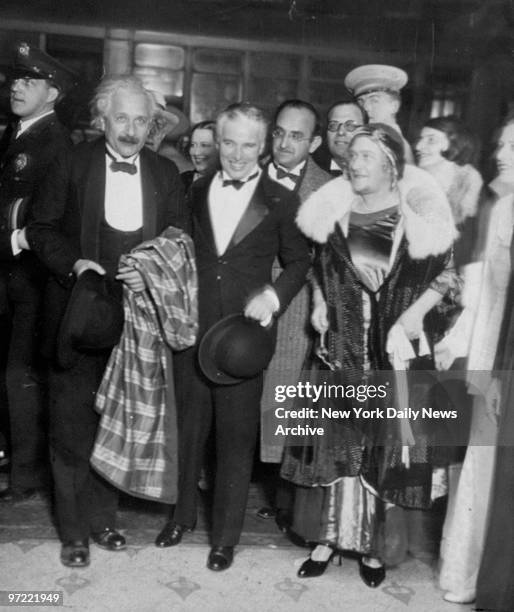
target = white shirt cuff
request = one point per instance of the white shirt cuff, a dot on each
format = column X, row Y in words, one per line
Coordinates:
column 14, row 242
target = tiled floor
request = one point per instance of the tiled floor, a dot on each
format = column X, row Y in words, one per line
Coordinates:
column 144, row 578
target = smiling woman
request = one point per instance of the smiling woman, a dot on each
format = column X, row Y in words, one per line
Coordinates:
column 381, row 265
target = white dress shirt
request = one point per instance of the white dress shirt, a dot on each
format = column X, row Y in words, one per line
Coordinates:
column 123, row 194
column 285, row 181
column 227, row 205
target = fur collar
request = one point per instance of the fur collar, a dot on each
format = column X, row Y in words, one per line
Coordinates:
column 426, row 213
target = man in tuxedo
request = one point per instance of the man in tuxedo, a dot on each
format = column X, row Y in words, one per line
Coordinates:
column 29, row 146
column 343, row 118
column 111, row 195
column 296, row 135
column 242, row 220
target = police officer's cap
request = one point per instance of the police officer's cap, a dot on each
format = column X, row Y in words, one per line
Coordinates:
column 375, row 77
column 31, row 62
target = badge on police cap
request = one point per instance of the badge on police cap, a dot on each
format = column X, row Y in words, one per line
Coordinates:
column 31, row 62
column 375, row 77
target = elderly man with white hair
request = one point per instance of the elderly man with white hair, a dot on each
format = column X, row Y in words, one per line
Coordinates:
column 112, row 195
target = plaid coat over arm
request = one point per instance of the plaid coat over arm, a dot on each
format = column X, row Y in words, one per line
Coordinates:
column 136, row 443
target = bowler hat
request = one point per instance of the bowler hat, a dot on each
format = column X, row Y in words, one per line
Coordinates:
column 33, row 63
column 93, row 320
column 234, row 349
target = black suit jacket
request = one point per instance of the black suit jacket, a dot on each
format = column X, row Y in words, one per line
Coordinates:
column 67, row 216
column 24, row 163
column 266, row 230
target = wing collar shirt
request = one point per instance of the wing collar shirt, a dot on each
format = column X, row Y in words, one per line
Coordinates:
column 123, row 194
column 228, row 204
column 287, row 182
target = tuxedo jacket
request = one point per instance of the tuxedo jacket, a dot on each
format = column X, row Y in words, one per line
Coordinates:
column 67, row 217
column 68, row 214
column 24, row 163
column 266, row 230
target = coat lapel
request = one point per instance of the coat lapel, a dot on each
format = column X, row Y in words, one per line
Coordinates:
column 313, row 178
column 201, row 214
column 92, row 205
column 149, row 194
column 252, row 216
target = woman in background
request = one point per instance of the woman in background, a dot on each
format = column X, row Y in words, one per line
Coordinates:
column 446, row 149
column 477, row 334
column 202, row 151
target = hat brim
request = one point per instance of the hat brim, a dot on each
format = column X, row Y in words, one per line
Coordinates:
column 176, row 119
column 207, row 350
column 67, row 354
column 209, row 344
column 82, row 298
column 23, row 73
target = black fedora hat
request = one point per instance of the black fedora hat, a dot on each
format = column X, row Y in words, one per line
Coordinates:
column 93, row 320
column 234, row 349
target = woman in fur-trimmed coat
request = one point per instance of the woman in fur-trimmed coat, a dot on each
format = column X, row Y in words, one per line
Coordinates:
column 382, row 265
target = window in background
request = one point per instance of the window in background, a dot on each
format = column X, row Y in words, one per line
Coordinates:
column 161, row 67
column 326, row 83
column 216, row 82
column 273, row 79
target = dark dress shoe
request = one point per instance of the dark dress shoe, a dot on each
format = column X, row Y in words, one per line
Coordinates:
column 220, row 558
column 266, row 513
column 372, row 576
column 109, row 539
column 75, row 553
column 4, row 457
column 313, row 569
column 14, row 495
column 283, row 520
column 171, row 534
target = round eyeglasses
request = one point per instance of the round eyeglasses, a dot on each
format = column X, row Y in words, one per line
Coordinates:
column 349, row 126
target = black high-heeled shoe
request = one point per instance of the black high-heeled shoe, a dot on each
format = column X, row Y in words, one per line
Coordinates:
column 313, row 569
column 372, row 576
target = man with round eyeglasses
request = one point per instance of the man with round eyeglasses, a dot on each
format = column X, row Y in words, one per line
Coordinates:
column 343, row 119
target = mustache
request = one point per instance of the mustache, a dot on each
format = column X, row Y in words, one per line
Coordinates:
column 128, row 140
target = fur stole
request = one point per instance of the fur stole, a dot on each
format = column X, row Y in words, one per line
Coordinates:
column 426, row 213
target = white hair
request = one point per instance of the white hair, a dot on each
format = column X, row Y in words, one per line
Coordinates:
column 101, row 101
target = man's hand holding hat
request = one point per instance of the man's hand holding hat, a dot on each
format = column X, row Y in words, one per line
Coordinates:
column 262, row 306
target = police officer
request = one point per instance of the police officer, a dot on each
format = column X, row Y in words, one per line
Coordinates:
column 28, row 148
column 376, row 87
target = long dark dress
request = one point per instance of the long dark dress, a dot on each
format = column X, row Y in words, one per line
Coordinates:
column 359, row 265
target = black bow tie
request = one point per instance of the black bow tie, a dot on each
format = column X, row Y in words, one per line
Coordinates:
column 238, row 183
column 335, row 172
column 281, row 174
column 121, row 166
